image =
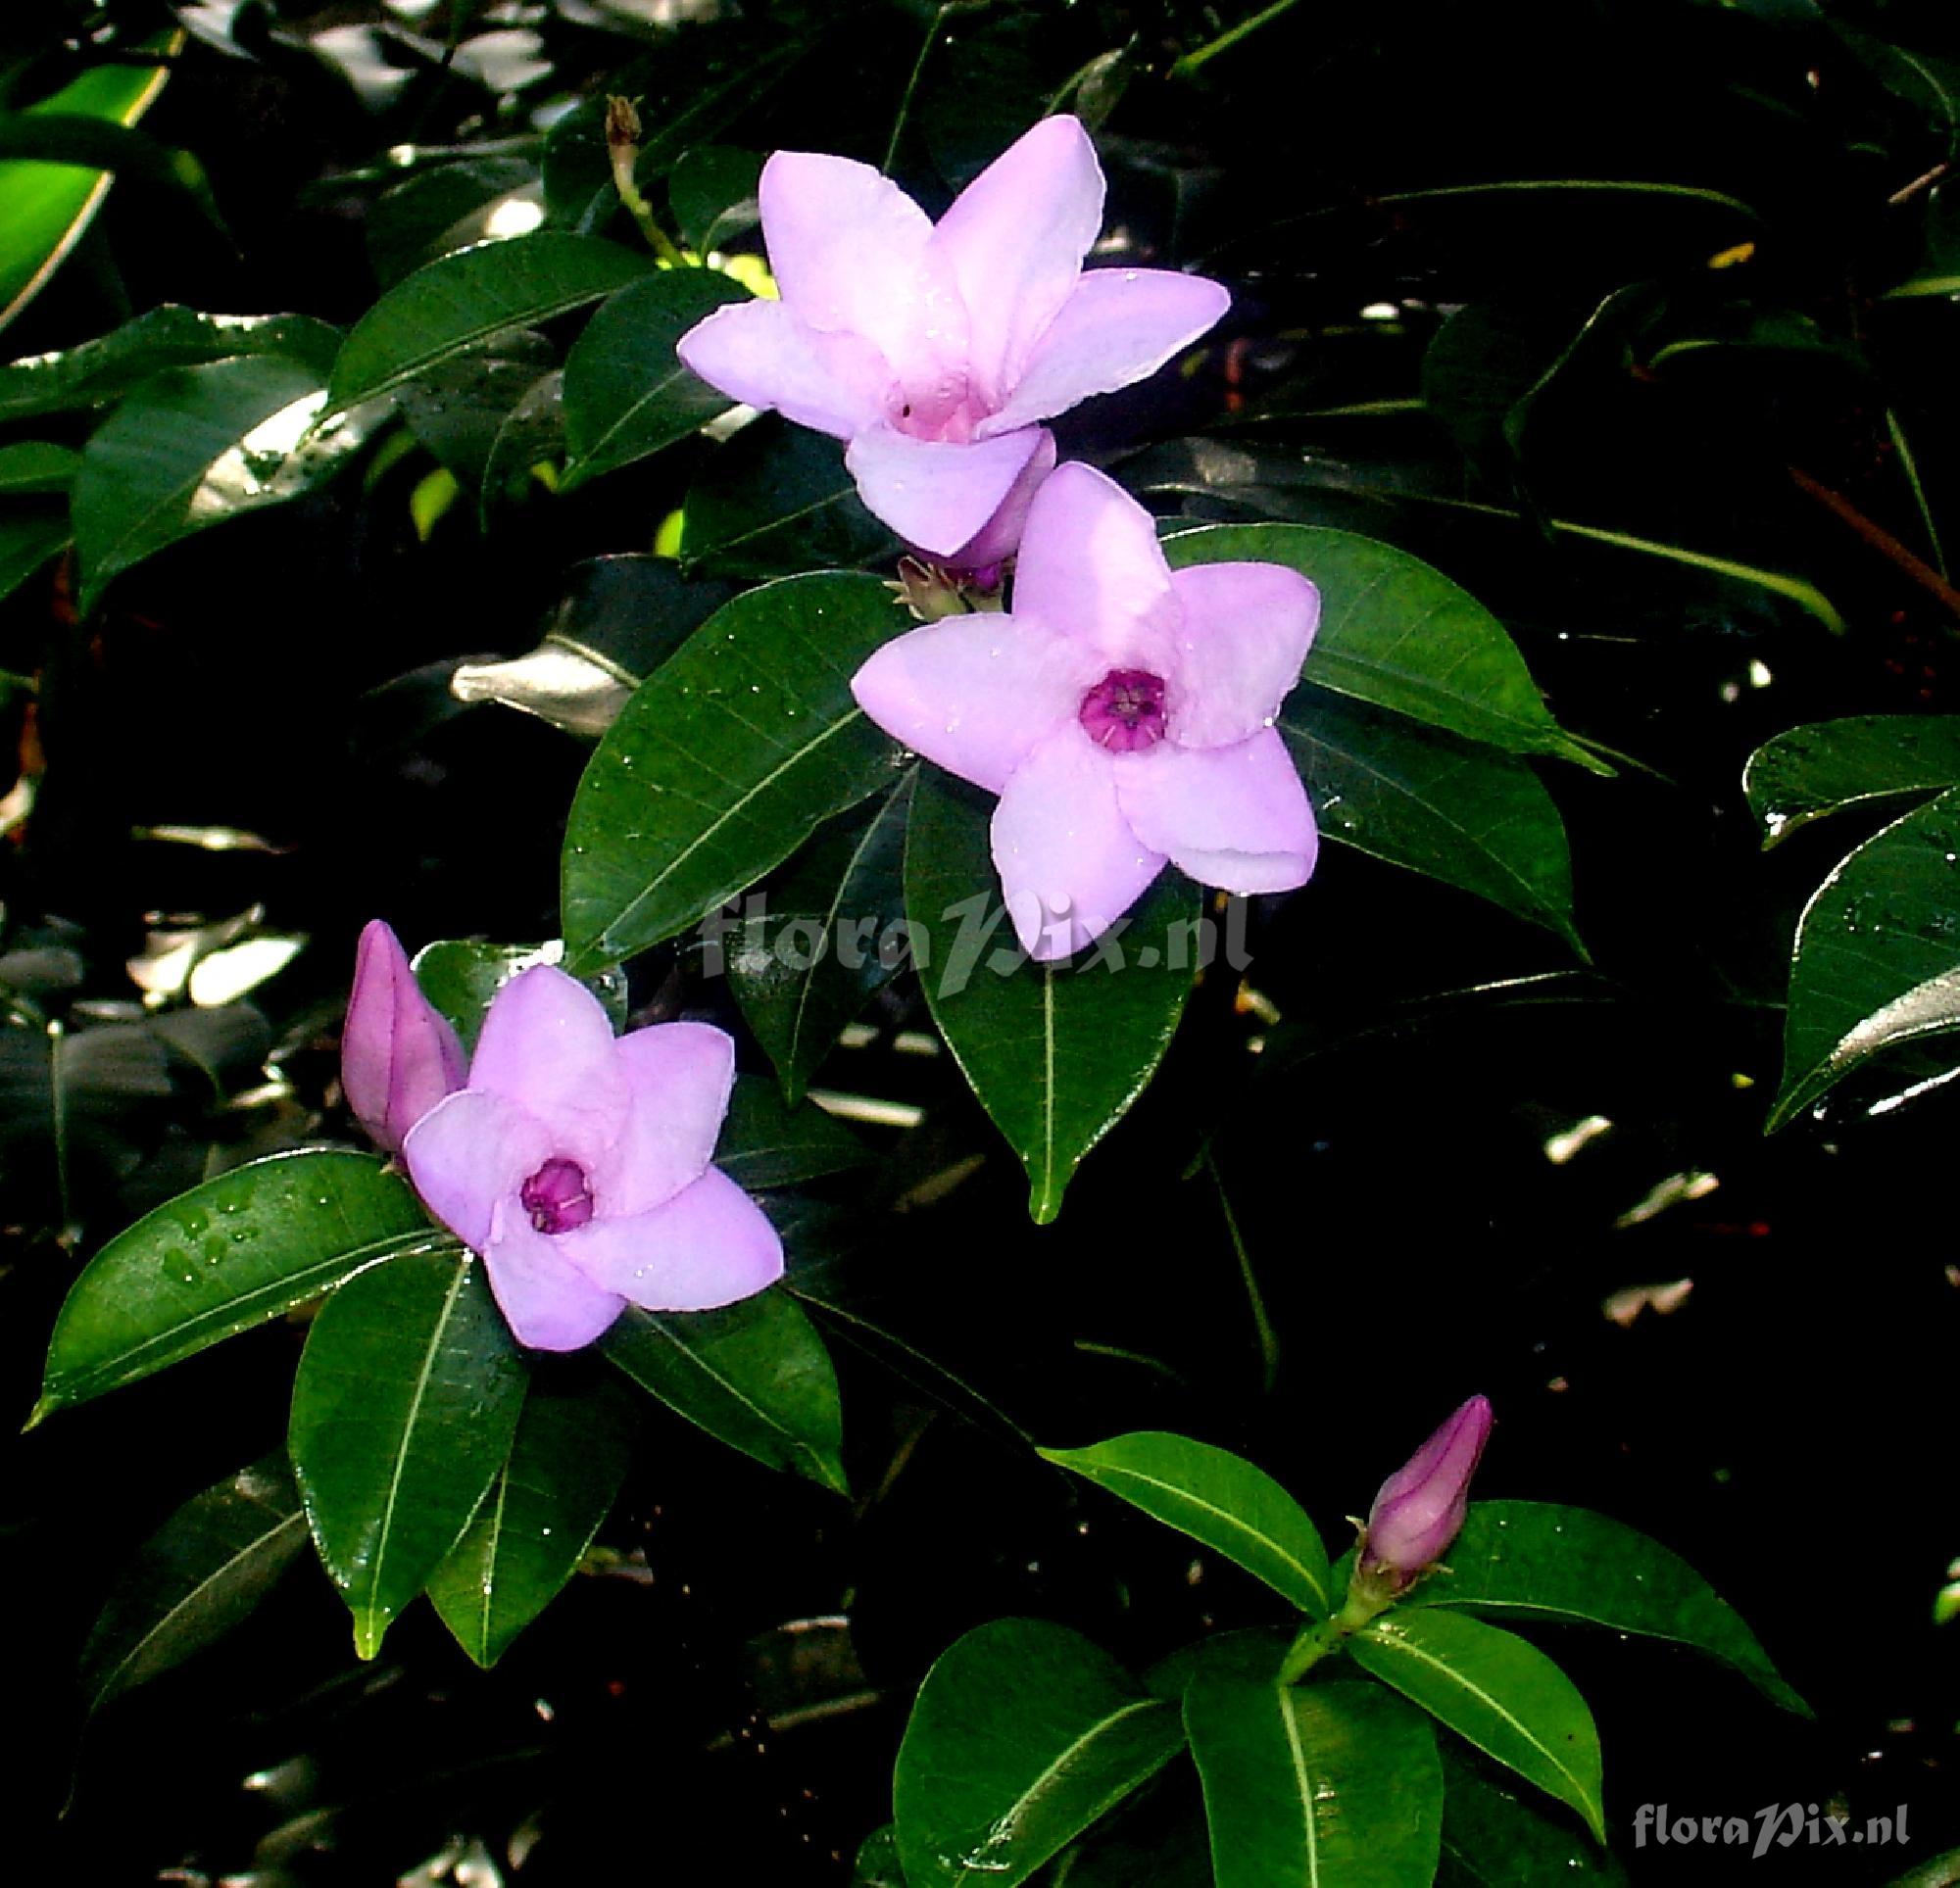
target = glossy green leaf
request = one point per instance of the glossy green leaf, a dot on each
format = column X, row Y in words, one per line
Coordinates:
column 1324, row 1785
column 1493, row 1838
column 249, row 1245
column 1056, row 1055
column 31, row 535
column 808, row 965
column 774, row 501
column 713, row 190
column 195, row 1578
column 1218, row 1498
column 765, row 1142
column 458, row 409
column 407, row 1393
column 1876, row 959
column 525, row 453
column 721, row 762
column 33, row 469
column 1398, row 634
column 461, row 975
column 452, row 304
column 1468, row 815
column 572, row 1448
column 626, row 393
column 754, row 1375
column 877, row 1862
column 441, row 209
column 1534, row 1559
column 1496, row 1691
column 1022, row 1736
column 1823, row 767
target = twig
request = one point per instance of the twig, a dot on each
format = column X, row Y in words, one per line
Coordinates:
column 1879, row 539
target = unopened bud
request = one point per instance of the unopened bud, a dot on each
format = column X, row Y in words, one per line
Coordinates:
column 1420, row 1508
column 399, row 1055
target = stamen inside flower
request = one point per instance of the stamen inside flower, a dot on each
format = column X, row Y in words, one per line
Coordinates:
column 557, row 1196
column 1125, row 710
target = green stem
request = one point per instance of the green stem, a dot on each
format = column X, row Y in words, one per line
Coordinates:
column 1193, row 61
column 1366, row 1602
column 1262, row 1324
column 642, row 212
column 912, row 86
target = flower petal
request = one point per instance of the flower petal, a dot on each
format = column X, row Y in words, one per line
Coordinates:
column 681, row 1075
column 1069, row 864
column 1236, row 817
column 399, row 1055
column 1246, row 629
column 546, row 1300
column 936, row 494
column 1118, row 327
column 546, row 1046
column 765, row 355
column 852, row 254
column 1000, row 536
column 469, row 1154
column 1090, row 567
column 1015, row 238
column 975, row 693
column 707, row 1247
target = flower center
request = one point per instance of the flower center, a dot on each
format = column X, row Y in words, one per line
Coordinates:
column 557, row 1196
column 1125, row 710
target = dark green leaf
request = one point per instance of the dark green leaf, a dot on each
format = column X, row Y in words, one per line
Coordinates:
column 457, row 409
column 195, row 1578
column 753, row 1375
column 29, row 535
column 721, row 762
column 713, row 192
column 1533, row 1559
column 249, row 1245
column 528, row 449
column 1492, row 1838
column 878, row 1864
column 407, row 1393
column 1325, row 1785
column 1496, row 1692
column 776, row 499
column 460, row 976
column 1056, row 1055
column 1218, row 1498
column 1825, row 766
column 33, row 468
column 570, row 1452
column 1023, row 1735
column 767, row 1142
column 443, row 209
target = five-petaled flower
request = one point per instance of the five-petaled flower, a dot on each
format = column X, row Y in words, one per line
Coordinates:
column 1123, row 713
column 935, row 351
column 576, row 1164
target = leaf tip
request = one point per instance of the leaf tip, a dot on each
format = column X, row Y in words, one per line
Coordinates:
column 42, row 1411
column 371, row 1625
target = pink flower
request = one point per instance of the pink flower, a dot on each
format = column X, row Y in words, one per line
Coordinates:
column 399, row 1056
column 935, row 351
column 1419, row 1509
column 576, row 1163
column 1123, row 714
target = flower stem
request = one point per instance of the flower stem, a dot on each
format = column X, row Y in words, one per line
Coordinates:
column 1365, row 1602
column 622, row 146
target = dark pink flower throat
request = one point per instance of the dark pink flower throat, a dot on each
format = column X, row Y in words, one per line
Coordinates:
column 1125, row 710
column 557, row 1196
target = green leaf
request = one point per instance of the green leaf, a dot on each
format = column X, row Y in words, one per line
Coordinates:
column 455, row 302
column 1215, row 1497
column 249, row 1245
column 626, row 393
column 878, row 1864
column 1876, row 959
column 1467, row 816
column 1056, row 1055
column 528, row 449
column 441, row 209
column 1496, row 1692
column 572, row 1448
column 1809, row 772
column 765, row 1142
column 1398, row 634
column 722, row 761
column 806, row 967
column 774, row 501
column 407, row 1393
column 29, row 535
column 753, row 1375
column 195, row 1578
column 1325, row 1785
column 714, row 193
column 1492, row 1838
column 31, row 467
column 461, row 975
column 1534, row 1559
column 1023, row 1735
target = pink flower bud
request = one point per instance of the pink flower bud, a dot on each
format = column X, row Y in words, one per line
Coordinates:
column 1420, row 1507
column 399, row 1056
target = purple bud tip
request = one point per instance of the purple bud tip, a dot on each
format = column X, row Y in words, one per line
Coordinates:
column 1420, row 1507
column 1125, row 710
column 399, row 1056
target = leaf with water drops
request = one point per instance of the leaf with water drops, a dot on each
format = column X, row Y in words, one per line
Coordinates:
column 1863, row 760
column 245, row 1248
column 1494, row 1838
column 461, row 975
column 408, row 1394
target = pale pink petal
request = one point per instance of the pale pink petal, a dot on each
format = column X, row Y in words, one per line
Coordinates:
column 936, row 494
column 852, row 254
column 470, row 1152
column 680, row 1074
column 1235, row 817
column 1090, row 567
column 707, row 1247
column 760, row 353
column 547, row 1046
column 546, row 1300
column 1000, row 536
column 1015, row 237
column 1069, row 864
column 1246, row 629
column 975, row 693
column 1118, row 327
